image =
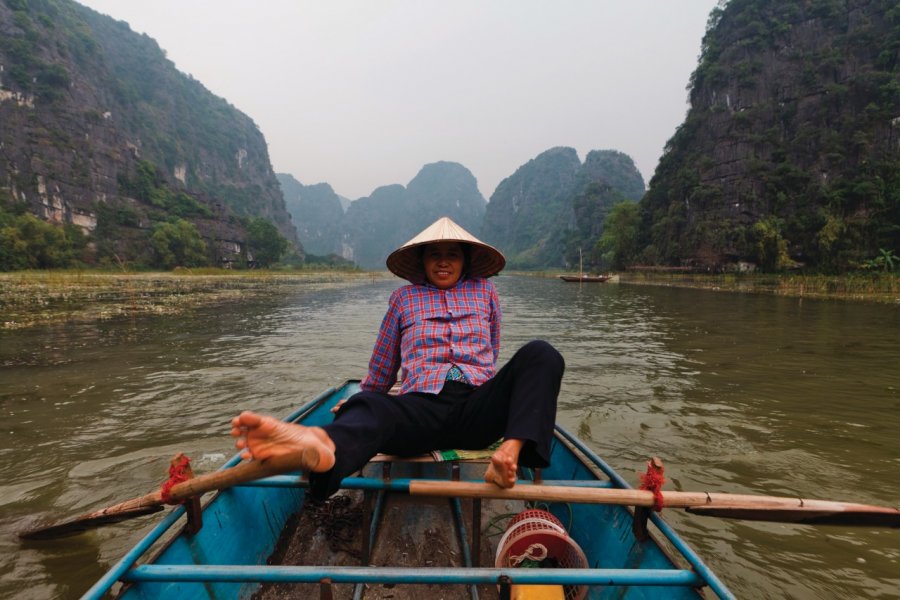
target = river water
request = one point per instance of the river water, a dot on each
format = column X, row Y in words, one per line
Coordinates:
column 736, row 393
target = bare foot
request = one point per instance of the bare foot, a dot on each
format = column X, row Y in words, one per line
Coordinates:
column 504, row 464
column 262, row 437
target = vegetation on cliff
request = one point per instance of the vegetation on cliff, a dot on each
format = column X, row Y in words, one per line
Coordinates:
column 27, row 242
column 101, row 132
column 788, row 156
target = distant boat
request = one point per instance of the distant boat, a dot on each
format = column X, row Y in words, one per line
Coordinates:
column 581, row 277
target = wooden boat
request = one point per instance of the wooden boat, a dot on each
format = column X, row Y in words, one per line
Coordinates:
column 258, row 539
column 581, row 277
column 585, row 278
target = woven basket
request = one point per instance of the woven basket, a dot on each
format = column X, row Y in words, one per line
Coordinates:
column 535, row 535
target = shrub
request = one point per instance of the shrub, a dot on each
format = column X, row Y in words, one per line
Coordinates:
column 178, row 244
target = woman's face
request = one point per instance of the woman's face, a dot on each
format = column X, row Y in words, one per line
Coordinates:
column 444, row 263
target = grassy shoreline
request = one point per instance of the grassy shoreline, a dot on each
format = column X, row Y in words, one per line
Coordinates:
column 875, row 287
column 883, row 288
column 29, row 298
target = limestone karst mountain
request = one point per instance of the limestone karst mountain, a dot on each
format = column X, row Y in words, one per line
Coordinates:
column 99, row 130
column 789, row 154
column 317, row 212
column 376, row 225
column 532, row 214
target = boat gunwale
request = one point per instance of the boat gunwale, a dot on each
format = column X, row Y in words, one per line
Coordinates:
column 411, row 575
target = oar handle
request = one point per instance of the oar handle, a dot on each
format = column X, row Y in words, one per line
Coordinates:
column 743, row 506
column 525, row 491
column 226, row 478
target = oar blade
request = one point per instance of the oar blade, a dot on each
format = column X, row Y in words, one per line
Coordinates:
column 862, row 516
column 153, row 502
column 83, row 523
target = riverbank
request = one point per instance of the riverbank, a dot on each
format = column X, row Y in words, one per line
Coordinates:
column 30, row 298
column 876, row 287
column 883, row 288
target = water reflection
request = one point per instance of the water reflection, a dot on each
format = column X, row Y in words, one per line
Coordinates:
column 736, row 393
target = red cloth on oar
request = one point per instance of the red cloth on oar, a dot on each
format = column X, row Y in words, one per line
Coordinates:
column 653, row 481
column 177, row 474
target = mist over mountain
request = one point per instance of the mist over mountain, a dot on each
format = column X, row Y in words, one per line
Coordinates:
column 542, row 215
column 376, row 225
column 316, row 211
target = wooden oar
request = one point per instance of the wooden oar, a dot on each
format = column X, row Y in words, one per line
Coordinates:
column 153, row 502
column 757, row 508
column 736, row 506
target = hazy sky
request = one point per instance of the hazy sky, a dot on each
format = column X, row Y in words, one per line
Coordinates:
column 363, row 93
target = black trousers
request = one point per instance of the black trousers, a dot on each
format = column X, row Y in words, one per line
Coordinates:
column 519, row 402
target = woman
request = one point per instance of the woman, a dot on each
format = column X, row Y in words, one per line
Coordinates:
column 443, row 333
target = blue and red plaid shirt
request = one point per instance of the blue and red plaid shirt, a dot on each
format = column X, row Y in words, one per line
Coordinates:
column 428, row 330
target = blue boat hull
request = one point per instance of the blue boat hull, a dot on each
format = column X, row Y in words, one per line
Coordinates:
column 228, row 557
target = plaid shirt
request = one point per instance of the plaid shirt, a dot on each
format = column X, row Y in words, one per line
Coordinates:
column 427, row 330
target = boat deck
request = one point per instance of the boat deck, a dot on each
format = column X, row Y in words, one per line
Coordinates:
column 411, row 532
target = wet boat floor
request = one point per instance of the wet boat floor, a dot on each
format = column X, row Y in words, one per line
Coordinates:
column 414, row 531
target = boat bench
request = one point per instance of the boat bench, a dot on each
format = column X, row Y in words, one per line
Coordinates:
column 455, row 465
column 388, row 460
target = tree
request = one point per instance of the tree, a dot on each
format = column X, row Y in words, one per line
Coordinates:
column 13, row 250
column 178, row 244
column 619, row 243
column 264, row 242
column 770, row 248
column 886, row 261
column 27, row 242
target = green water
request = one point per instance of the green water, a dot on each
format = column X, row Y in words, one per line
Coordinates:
column 736, row 393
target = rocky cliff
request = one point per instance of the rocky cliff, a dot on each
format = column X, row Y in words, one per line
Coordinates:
column 98, row 128
column 790, row 152
column 539, row 215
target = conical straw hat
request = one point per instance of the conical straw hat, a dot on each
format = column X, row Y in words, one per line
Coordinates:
column 405, row 262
